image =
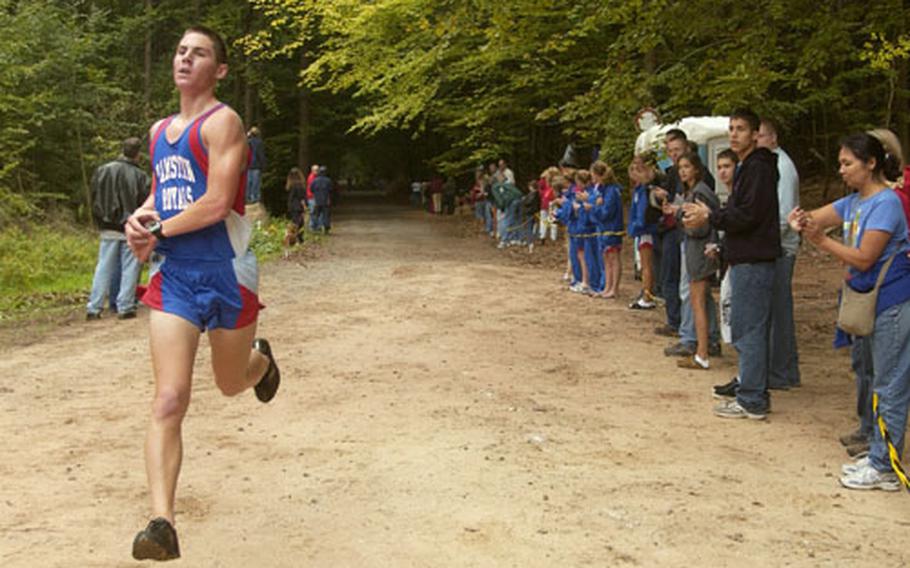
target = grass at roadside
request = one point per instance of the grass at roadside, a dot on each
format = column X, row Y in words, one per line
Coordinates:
column 46, row 270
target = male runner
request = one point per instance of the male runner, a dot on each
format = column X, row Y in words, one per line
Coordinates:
column 202, row 276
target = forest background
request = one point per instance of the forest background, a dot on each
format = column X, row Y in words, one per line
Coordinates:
column 386, row 91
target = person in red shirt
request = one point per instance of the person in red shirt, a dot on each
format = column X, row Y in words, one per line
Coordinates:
column 310, row 199
column 547, row 195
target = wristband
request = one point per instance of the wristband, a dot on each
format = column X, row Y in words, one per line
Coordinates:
column 157, row 229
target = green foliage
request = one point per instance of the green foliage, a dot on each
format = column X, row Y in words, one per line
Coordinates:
column 43, row 266
column 495, row 77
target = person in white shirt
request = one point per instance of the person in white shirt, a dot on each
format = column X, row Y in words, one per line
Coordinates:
column 784, row 371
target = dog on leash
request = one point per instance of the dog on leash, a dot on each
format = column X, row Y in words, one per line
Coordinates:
column 291, row 238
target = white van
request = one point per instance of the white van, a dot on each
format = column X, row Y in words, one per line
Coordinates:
column 709, row 132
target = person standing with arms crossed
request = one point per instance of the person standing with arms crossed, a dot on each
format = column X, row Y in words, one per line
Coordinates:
column 202, row 276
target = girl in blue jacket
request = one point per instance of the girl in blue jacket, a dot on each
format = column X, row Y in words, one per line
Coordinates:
column 642, row 173
column 610, row 219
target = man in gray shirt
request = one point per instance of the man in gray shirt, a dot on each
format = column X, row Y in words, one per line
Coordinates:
column 784, row 371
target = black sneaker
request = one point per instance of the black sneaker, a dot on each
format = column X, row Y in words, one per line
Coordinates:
column 127, row 315
column 853, row 438
column 268, row 385
column 727, row 391
column 680, row 350
column 858, row 450
column 157, row 542
column 715, row 350
column 92, row 317
column 666, row 331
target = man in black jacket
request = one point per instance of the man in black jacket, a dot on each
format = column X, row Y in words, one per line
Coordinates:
column 118, row 188
column 751, row 223
column 322, row 199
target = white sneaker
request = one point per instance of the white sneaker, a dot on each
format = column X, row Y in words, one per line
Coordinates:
column 732, row 409
column 867, row 477
column 853, row 467
column 578, row 288
column 501, row 245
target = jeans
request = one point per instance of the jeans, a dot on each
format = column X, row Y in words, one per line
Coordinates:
column 500, row 223
column 488, row 217
column 753, row 286
column 112, row 252
column 687, row 320
column 669, row 275
column 115, row 286
column 320, row 218
column 784, row 370
column 861, row 361
column 253, row 185
column 510, row 221
column 891, row 363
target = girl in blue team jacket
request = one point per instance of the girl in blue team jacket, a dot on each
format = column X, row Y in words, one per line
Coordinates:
column 611, row 226
column 566, row 216
column 642, row 171
column 590, row 251
column 574, row 215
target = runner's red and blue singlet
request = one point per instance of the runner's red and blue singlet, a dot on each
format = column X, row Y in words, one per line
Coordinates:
column 207, row 276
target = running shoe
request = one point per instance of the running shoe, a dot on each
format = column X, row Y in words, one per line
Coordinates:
column 268, row 384
column 666, row 331
column 695, row 363
column 732, row 409
column 157, row 542
column 726, row 391
column 680, row 349
column 865, row 477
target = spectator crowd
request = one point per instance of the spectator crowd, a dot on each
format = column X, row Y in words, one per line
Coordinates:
column 685, row 242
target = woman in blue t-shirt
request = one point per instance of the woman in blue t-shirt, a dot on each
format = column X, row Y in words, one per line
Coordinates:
column 875, row 229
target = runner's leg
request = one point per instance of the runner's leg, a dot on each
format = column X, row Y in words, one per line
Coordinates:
column 173, row 344
column 237, row 366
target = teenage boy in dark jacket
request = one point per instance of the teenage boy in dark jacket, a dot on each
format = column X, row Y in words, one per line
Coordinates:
column 752, row 228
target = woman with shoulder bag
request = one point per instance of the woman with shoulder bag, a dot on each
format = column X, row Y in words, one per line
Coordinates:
column 875, row 238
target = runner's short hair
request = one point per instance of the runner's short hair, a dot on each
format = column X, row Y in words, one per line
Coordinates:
column 221, row 53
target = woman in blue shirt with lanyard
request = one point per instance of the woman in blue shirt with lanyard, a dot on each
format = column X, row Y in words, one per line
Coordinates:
column 875, row 229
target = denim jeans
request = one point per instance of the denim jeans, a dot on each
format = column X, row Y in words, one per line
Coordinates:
column 111, row 253
column 510, row 221
column 488, row 216
column 861, row 361
column 311, row 211
column 687, row 334
column 320, row 217
column 784, row 370
column 753, row 285
column 669, row 275
column 253, row 185
column 891, row 364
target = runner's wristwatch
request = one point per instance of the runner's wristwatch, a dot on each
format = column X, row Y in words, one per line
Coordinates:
column 157, row 229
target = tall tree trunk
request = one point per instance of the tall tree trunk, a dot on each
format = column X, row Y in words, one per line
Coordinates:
column 81, row 150
column 901, row 110
column 303, row 125
column 248, row 99
column 147, row 62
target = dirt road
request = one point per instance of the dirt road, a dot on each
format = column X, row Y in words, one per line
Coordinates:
column 443, row 404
